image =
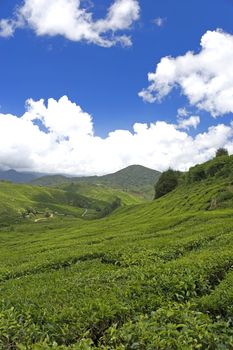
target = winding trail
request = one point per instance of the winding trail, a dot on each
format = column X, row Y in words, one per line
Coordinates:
column 41, row 219
column 85, row 212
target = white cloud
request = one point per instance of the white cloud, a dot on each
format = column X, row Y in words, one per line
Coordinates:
column 182, row 112
column 7, row 28
column 205, row 78
column 186, row 120
column 69, row 19
column 62, row 118
column 192, row 121
column 159, row 21
column 66, row 142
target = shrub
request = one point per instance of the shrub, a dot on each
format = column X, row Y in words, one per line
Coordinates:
column 215, row 167
column 167, row 183
column 224, row 196
column 221, row 152
column 196, row 174
column 47, row 214
column 177, row 326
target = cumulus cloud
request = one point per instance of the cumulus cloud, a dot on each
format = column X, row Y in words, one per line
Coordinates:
column 205, row 78
column 58, row 137
column 69, row 19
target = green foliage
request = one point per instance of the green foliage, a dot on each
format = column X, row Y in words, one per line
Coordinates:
column 156, row 275
column 134, row 179
column 174, row 326
column 224, row 195
column 139, row 285
column 219, row 167
column 47, row 214
column 167, row 182
column 19, row 202
column 111, row 207
column 221, row 152
column 196, row 174
column 102, row 193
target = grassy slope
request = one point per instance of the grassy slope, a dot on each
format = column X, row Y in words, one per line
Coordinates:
column 135, row 179
column 15, row 199
column 154, row 276
column 104, row 193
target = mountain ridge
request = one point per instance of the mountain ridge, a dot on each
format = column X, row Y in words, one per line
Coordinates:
column 134, row 178
column 18, row 177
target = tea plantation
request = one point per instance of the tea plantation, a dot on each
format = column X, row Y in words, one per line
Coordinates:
column 156, row 275
column 20, row 201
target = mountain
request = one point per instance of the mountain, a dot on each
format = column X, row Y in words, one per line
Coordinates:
column 131, row 178
column 135, row 178
column 18, row 177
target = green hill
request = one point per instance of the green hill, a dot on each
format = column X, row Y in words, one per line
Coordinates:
column 135, row 179
column 19, row 202
column 156, row 275
column 102, row 193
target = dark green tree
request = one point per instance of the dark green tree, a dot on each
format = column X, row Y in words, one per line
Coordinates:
column 222, row 152
column 167, row 183
column 196, row 174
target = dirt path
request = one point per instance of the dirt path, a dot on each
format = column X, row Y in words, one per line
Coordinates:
column 85, row 212
column 41, row 219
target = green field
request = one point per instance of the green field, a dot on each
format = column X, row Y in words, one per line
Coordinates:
column 155, row 275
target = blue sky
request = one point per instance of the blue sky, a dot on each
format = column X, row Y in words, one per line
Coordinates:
column 105, row 81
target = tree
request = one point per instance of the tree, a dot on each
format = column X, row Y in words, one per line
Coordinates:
column 196, row 174
column 167, row 183
column 222, row 152
column 47, row 213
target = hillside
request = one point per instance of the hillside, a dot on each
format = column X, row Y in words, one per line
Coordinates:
column 131, row 178
column 19, row 202
column 102, row 193
column 157, row 275
column 135, row 178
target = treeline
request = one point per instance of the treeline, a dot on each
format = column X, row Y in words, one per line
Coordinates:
column 220, row 166
column 104, row 208
column 110, row 207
